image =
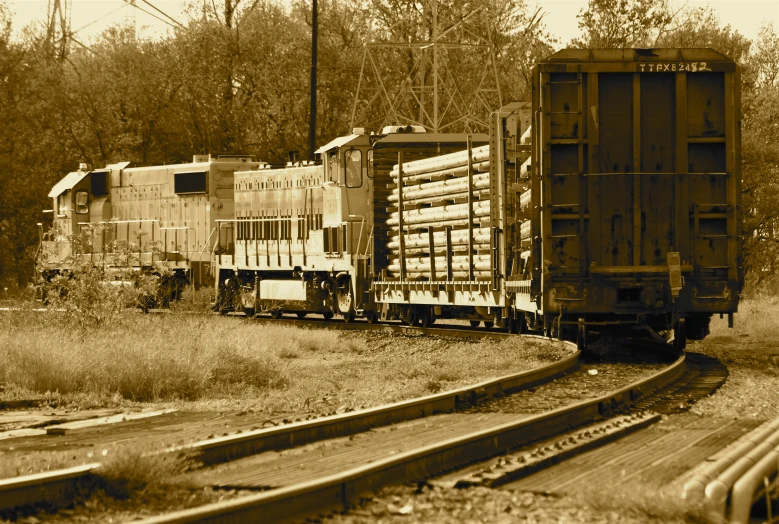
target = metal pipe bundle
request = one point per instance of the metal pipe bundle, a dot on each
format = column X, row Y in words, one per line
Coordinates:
column 525, row 199
column 439, row 233
column 481, row 235
column 448, row 187
column 460, row 262
column 430, row 215
column 438, row 163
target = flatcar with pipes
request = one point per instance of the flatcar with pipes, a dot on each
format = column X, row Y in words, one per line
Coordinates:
column 131, row 219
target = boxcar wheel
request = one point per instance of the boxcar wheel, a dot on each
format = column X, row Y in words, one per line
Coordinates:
column 301, row 314
column 474, row 323
column 489, row 324
column 276, row 314
column 371, row 317
column 328, row 315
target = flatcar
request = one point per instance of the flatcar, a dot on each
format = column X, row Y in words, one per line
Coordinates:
column 140, row 218
column 610, row 201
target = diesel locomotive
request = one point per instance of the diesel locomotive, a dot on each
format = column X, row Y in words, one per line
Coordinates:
column 127, row 219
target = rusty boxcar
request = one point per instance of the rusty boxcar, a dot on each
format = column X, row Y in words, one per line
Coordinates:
column 610, row 202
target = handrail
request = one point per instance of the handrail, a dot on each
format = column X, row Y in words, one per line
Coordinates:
column 200, row 258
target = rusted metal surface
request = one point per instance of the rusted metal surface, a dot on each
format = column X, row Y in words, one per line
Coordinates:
column 336, row 491
column 55, row 488
column 637, row 158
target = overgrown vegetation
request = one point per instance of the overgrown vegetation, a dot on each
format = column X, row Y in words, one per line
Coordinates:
column 184, row 357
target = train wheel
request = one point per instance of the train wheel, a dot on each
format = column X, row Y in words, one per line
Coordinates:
column 680, row 334
column 371, row 317
column 474, row 323
column 301, row 314
column 349, row 317
column 328, row 315
column 276, row 314
column 248, row 311
column 581, row 335
column 230, row 296
column 489, row 324
column 427, row 317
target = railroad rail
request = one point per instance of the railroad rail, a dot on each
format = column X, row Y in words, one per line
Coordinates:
column 339, row 490
column 53, row 487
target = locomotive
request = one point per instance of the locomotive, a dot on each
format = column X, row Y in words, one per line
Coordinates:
column 610, row 202
column 129, row 219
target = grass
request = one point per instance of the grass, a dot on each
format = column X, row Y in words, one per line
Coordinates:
column 751, row 353
column 208, row 362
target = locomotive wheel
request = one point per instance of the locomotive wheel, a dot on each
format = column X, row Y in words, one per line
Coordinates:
column 301, row 314
column 231, row 294
column 474, row 323
column 371, row 317
column 276, row 314
column 488, row 324
column 328, row 315
column 349, row 317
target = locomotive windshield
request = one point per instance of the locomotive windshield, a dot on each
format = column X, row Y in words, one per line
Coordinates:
column 353, row 164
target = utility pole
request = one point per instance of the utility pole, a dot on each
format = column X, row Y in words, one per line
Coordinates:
column 312, row 118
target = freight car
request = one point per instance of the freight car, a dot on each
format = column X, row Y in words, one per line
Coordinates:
column 303, row 237
column 140, row 218
column 628, row 219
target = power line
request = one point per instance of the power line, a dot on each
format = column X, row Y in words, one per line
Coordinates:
column 162, row 12
column 148, row 13
column 98, row 19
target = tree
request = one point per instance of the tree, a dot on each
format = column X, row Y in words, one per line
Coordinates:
column 622, row 23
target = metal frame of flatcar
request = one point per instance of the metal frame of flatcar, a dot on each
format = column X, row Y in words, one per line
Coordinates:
column 579, row 299
column 410, row 299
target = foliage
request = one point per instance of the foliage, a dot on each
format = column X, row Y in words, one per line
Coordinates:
column 235, row 79
column 622, row 23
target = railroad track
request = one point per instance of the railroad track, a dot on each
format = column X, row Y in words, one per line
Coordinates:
column 436, row 452
column 56, row 488
column 310, row 494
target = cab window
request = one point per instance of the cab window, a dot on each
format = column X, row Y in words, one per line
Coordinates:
column 82, row 202
column 353, row 165
column 334, row 166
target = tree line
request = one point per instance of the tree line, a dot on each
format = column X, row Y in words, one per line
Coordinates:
column 234, row 78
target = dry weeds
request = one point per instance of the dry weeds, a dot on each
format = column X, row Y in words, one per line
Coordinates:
column 207, row 362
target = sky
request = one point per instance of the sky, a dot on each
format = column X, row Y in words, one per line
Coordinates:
column 746, row 16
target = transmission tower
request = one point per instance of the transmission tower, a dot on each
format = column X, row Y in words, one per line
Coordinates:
column 436, row 93
column 58, row 27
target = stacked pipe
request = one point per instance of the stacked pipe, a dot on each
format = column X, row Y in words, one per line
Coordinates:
column 439, row 218
column 526, row 198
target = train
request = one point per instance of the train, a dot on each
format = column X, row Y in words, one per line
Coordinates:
column 609, row 202
column 130, row 219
